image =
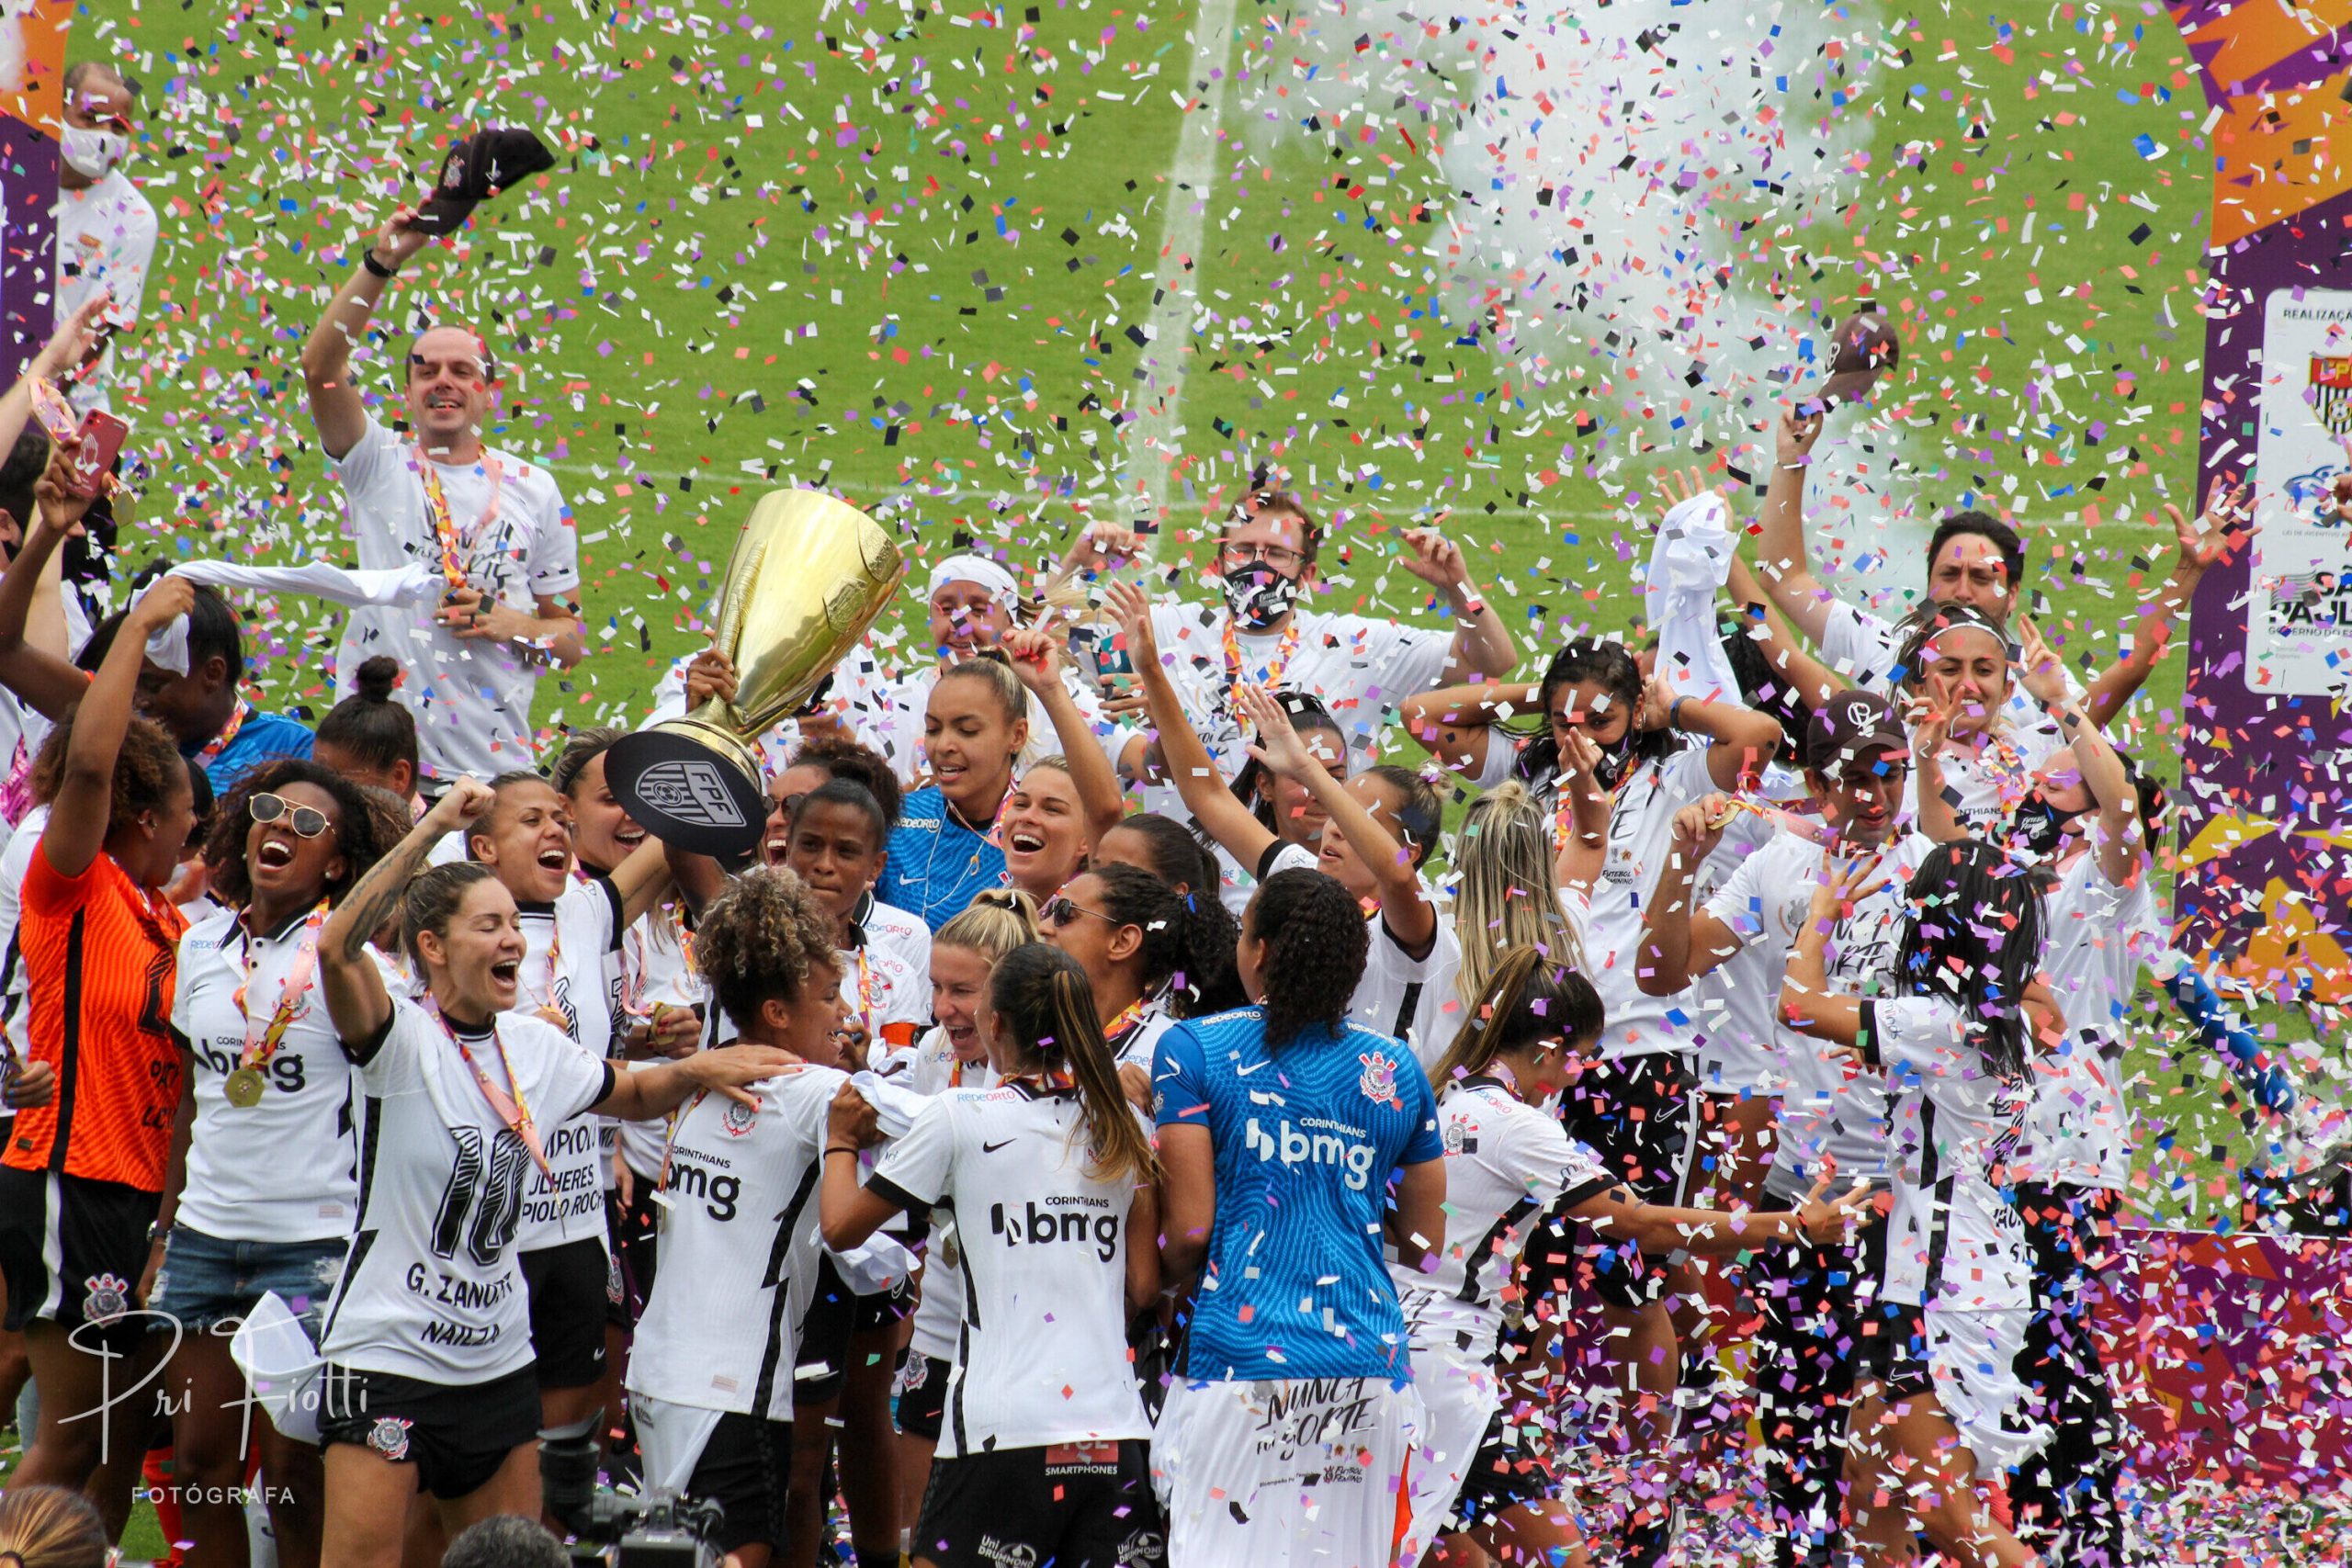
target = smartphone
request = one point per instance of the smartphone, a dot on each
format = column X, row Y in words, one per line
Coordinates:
column 102, row 439
column 1101, row 649
column 56, row 415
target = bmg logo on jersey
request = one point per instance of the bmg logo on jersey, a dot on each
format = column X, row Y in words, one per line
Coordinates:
column 1059, row 1218
column 1313, row 1141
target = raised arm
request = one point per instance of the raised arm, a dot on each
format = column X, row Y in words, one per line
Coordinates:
column 1482, row 644
column 356, row 999
column 1456, row 724
column 1584, row 851
column 1405, row 905
column 1037, row 657
column 1679, row 941
column 1814, row 681
column 2226, row 523
column 1195, row 771
column 336, row 408
column 1739, row 740
column 81, row 815
column 1787, row 573
column 2116, row 840
column 642, row 880
column 1807, row 1004
column 46, row 681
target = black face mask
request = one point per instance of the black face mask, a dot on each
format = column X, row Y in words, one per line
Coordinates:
column 1258, row 595
column 1616, row 757
column 2038, row 828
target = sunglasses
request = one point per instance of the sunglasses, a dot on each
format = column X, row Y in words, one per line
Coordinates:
column 1060, row 911
column 308, row 821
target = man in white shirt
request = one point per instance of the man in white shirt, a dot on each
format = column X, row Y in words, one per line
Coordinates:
column 1358, row 666
column 106, row 229
column 495, row 527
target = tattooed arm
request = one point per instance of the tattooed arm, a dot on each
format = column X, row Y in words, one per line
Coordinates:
column 356, row 999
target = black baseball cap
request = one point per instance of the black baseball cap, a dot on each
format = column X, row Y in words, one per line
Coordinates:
column 1848, row 728
column 478, row 167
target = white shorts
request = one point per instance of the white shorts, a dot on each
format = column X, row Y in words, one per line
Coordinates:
column 1459, row 1398
column 1972, row 1367
column 671, row 1437
column 1303, row 1472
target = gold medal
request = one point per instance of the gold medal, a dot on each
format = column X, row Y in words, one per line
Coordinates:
column 245, row 1089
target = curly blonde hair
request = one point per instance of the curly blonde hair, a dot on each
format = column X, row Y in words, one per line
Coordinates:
column 760, row 938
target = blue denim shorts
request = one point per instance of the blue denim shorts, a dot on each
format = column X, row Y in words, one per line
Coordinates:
column 206, row 1281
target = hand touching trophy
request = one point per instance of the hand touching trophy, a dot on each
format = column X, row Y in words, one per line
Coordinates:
column 807, row 578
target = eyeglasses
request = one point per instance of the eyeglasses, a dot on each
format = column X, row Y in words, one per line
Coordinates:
column 308, row 821
column 1061, row 911
column 785, row 805
column 1280, row 556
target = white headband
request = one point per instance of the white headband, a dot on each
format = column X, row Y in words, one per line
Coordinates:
column 976, row 569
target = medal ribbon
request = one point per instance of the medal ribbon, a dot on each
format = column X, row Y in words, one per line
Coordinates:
column 219, row 743
column 1270, row 677
column 262, row 1044
column 456, row 547
column 512, row 1109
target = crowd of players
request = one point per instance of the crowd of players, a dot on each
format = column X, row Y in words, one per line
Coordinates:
column 1090, row 1130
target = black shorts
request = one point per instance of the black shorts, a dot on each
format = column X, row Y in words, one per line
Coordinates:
column 456, row 1437
column 1894, row 1353
column 745, row 1469
column 95, row 1233
column 631, row 1229
column 837, row 1317
column 568, row 1286
column 1640, row 1114
column 1075, row 1505
column 1507, row 1472
column 923, row 1395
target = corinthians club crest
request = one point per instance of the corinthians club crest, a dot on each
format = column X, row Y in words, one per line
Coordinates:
column 2330, row 394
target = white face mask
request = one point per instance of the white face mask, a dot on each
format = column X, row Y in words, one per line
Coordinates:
column 91, row 152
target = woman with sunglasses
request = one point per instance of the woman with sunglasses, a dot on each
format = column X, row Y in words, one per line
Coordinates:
column 262, row 1071
column 1133, row 935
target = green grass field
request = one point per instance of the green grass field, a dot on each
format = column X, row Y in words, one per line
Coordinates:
column 922, row 258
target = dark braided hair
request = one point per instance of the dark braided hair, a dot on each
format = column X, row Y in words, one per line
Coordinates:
column 1180, row 943
column 358, row 830
column 1316, row 944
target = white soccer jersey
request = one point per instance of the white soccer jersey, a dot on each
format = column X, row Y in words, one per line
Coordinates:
column 1405, row 997
column 739, row 1231
column 285, row 1169
column 1640, row 835
column 1953, row 1242
column 431, row 1288
column 1825, row 1108
column 1735, row 1010
column 939, row 1315
column 1505, row 1164
column 885, row 994
column 2078, row 1129
column 657, row 971
column 1983, row 786
column 571, row 965
column 894, row 930
column 1043, row 1357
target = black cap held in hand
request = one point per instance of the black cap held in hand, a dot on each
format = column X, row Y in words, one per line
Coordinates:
column 477, row 168
column 1866, row 349
column 1850, row 729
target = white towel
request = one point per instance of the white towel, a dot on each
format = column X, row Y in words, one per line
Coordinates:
column 1689, row 565
column 411, row 584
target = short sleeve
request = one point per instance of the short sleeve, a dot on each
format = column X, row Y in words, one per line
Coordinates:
column 1180, row 1080
column 49, row 892
column 389, row 1065
column 916, row 1167
column 1502, row 756
column 1740, row 904
column 597, row 902
column 576, row 1080
column 1552, row 1164
column 555, row 549
column 371, row 464
column 180, row 989
column 1915, row 1035
column 1689, row 777
column 1858, row 645
column 1414, row 661
column 1424, row 1143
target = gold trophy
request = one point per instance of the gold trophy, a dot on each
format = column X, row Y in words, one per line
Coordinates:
column 807, row 577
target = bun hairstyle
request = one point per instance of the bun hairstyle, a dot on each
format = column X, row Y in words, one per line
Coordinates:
column 758, row 941
column 358, row 833
column 148, row 771
column 992, row 668
column 1419, row 812
column 1185, row 949
column 432, row 900
column 1529, row 996
column 1509, row 894
column 1041, row 999
column 996, row 921
column 584, row 747
column 1316, row 944
column 51, row 1527
column 846, row 758
column 369, row 727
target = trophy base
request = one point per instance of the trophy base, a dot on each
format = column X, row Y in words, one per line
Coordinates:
column 691, row 784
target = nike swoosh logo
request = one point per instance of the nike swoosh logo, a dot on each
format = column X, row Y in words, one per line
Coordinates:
column 992, row 1148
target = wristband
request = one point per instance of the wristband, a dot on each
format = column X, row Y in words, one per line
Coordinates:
column 832, row 1149
column 368, row 259
column 1674, row 712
